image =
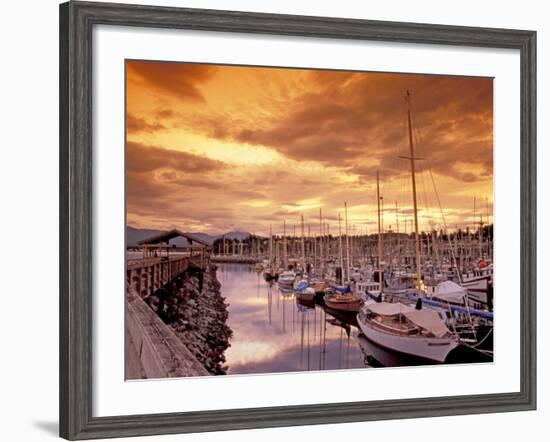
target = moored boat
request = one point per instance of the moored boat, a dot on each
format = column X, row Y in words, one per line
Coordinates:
column 271, row 275
column 347, row 301
column 287, row 278
column 303, row 291
column 408, row 330
column 319, row 286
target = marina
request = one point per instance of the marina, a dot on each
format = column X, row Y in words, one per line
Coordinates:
column 290, row 327
column 328, row 258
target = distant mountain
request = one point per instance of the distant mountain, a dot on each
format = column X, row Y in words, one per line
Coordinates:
column 204, row 236
column 133, row 235
column 235, row 235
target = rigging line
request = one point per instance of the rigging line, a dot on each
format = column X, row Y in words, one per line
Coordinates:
column 422, row 151
column 453, row 254
column 402, row 179
column 436, row 193
column 425, row 156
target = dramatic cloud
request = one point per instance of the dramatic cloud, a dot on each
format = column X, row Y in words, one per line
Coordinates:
column 221, row 146
column 173, row 79
column 144, row 158
column 137, row 125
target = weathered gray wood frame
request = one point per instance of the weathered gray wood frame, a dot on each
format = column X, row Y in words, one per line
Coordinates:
column 76, row 161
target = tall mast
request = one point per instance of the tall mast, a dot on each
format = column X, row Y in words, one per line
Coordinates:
column 321, row 263
column 340, row 254
column 303, row 246
column 480, row 234
column 309, row 251
column 327, row 233
column 396, row 218
column 397, row 232
column 488, row 229
column 415, row 206
column 380, row 273
column 293, row 248
column 347, row 242
column 270, row 249
column 284, row 246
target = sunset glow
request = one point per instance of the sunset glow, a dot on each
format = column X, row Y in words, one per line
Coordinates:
column 219, row 148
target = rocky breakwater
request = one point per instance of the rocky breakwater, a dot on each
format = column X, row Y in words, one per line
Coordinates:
column 193, row 306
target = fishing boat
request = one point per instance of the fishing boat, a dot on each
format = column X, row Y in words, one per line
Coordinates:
column 407, row 330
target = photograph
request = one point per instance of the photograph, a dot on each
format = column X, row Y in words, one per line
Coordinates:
column 282, row 219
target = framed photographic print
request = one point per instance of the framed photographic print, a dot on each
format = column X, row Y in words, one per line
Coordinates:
column 271, row 220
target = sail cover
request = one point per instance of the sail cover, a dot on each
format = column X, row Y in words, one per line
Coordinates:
column 302, row 285
column 428, row 320
column 389, row 308
column 450, row 291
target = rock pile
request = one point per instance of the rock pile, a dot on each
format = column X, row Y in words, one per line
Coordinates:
column 193, row 306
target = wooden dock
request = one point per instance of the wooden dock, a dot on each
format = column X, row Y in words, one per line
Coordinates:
column 146, row 275
column 153, row 349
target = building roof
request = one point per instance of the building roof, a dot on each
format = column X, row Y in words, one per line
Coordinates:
column 164, row 237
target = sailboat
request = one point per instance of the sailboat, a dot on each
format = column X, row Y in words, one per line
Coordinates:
column 408, row 330
column 374, row 290
column 288, row 276
column 304, row 292
column 341, row 297
column 270, row 274
column 403, row 328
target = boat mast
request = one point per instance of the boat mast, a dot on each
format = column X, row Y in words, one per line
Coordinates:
column 303, row 246
column 340, row 254
column 270, row 249
column 321, row 263
column 285, row 261
column 398, row 254
column 380, row 273
column 415, row 206
column 480, row 235
column 488, row 230
column 347, row 242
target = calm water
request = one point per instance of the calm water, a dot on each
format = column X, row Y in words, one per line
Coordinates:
column 273, row 333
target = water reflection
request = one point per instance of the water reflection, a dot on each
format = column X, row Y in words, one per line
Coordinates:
column 376, row 356
column 273, row 332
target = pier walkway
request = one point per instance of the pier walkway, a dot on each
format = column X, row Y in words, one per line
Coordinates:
column 153, row 349
column 146, row 275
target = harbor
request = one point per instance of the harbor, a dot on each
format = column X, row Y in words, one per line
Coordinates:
column 331, row 237
column 296, row 303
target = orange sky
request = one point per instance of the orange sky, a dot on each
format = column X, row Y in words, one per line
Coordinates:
column 219, row 148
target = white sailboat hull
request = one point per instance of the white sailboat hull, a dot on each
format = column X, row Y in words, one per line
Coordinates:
column 287, row 279
column 432, row 349
column 476, row 283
